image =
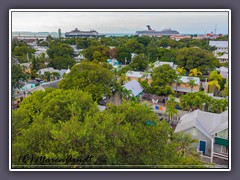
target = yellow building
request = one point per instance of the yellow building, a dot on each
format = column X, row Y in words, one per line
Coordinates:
column 138, row 75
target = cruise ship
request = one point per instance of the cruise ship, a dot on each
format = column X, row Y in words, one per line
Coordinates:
column 77, row 33
column 150, row 32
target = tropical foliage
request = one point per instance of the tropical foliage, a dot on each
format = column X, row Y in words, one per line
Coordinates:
column 58, row 124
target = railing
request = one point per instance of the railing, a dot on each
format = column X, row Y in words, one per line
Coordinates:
column 220, row 155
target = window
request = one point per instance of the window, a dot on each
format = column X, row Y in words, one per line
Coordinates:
column 224, row 149
column 194, row 131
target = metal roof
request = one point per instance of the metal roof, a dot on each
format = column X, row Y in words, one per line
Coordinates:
column 206, row 122
column 137, row 74
column 134, row 86
column 185, row 79
column 218, row 43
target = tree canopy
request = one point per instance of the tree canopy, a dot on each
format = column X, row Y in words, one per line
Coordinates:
column 162, row 77
column 90, row 77
column 56, row 124
column 193, row 57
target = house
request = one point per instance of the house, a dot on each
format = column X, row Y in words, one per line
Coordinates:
column 135, row 87
column 211, row 132
column 184, row 86
column 224, row 72
column 41, row 50
column 51, row 70
column 43, row 86
column 222, row 46
column 223, row 58
column 160, row 63
column 138, row 75
column 179, row 37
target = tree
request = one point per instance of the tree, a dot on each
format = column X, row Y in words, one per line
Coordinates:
column 56, row 75
column 218, row 106
column 214, row 80
column 185, row 140
column 47, row 76
column 102, row 50
column 162, row 77
column 89, row 77
column 58, row 49
column 170, row 108
column 17, row 76
column 139, row 63
column 194, row 72
column 181, row 71
column 67, row 123
column 199, row 100
column 191, row 83
column 191, row 58
column 178, row 81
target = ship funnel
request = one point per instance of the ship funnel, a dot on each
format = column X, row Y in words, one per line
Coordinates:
column 149, row 28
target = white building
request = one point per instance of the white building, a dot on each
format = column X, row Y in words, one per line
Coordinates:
column 160, row 63
column 223, row 58
column 222, row 46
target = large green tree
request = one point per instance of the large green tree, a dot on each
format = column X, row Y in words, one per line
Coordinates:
column 193, row 57
column 90, row 77
column 139, row 62
column 57, row 124
column 162, row 77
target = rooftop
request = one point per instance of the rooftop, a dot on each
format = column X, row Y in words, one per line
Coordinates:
column 137, row 74
column 134, row 86
column 206, row 122
column 218, row 43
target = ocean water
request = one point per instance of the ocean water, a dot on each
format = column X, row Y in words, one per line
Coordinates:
column 55, row 34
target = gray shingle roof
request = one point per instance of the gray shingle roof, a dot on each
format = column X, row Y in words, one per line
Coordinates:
column 206, row 122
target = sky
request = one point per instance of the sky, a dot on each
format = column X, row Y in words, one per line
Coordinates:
column 121, row 22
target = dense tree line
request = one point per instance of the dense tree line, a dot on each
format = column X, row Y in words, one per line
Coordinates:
column 62, row 123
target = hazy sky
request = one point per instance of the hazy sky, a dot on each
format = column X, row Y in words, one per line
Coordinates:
column 121, row 22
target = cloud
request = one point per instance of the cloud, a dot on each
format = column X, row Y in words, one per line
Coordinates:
column 184, row 22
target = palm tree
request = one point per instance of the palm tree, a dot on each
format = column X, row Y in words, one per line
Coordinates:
column 47, row 75
column 181, row 71
column 191, row 83
column 170, row 108
column 214, row 80
column 185, row 142
column 215, row 85
column 194, row 72
column 178, row 81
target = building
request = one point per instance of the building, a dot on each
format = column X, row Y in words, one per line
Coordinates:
column 211, row 132
column 138, row 75
column 223, row 58
column 135, row 87
column 179, row 37
column 43, row 86
column 224, row 72
column 222, row 46
column 51, row 70
column 160, row 63
column 40, row 50
column 184, row 86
